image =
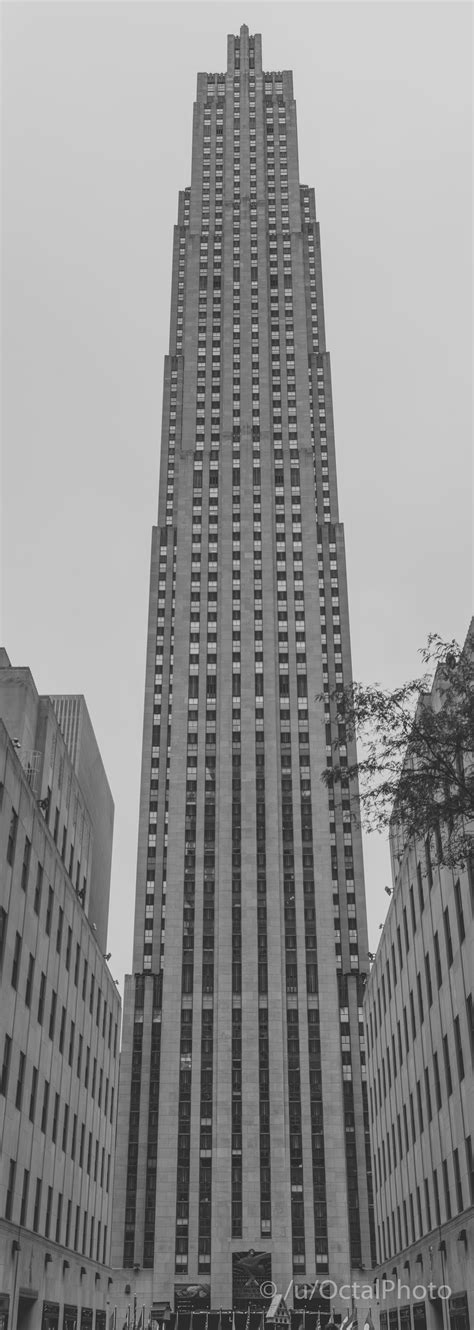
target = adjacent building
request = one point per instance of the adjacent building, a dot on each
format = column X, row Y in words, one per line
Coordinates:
column 243, row 1136
column 59, row 1023
column 418, row 1012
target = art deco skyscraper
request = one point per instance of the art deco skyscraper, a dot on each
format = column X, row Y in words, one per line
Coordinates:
column 243, row 1120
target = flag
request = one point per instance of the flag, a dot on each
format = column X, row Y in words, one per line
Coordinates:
column 331, row 1321
column 113, row 1320
column 318, row 1322
column 247, row 1323
column 368, row 1323
column 348, row 1321
column 140, row 1325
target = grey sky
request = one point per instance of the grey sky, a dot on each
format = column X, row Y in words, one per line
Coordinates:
column 97, row 116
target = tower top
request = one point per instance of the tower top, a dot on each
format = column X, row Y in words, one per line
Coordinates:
column 244, row 52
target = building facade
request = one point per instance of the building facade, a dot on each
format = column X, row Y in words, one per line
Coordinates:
column 59, row 1031
column 243, row 1134
column 418, row 1012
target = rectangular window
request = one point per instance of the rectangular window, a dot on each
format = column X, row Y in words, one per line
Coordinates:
column 16, row 960
column 25, row 868
column 437, row 1080
column 49, row 911
column 38, row 889
column 457, row 1179
column 12, row 833
column 54, row 1127
column 41, row 996
column 65, row 1126
column 20, row 1082
column 420, row 998
column 10, row 1189
column 429, row 988
column 44, row 1112
column 459, row 1053
column 439, row 972
column 59, row 934
column 37, row 1206
column 428, row 1095
column 24, row 1196
column 33, row 1091
column 447, row 934
column 29, row 980
column 52, row 1014
column 459, row 911
column 447, row 1066
column 62, row 1029
column 58, row 1218
column 447, row 1196
column 49, row 1206
column 74, row 1135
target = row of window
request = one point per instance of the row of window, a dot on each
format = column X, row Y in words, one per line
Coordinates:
column 391, row 972
column 45, row 1213
column 402, row 1226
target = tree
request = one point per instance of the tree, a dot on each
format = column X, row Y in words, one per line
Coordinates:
column 415, row 774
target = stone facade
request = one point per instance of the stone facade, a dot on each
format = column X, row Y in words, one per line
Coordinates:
column 243, row 1122
column 59, row 1029
column 418, row 1014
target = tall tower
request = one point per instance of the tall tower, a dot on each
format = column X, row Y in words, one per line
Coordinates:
column 243, row 1122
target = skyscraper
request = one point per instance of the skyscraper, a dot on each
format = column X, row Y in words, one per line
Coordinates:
column 243, row 1136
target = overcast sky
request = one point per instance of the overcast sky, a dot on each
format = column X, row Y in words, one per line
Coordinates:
column 97, row 117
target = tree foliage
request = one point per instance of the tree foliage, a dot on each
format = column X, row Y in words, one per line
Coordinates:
column 415, row 772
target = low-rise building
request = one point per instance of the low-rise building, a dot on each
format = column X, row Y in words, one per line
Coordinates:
column 59, row 1030
column 418, row 1015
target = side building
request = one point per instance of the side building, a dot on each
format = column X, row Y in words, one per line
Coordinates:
column 418, row 1014
column 59, row 1025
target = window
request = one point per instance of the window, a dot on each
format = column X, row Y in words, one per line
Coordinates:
column 20, row 1082
column 3, row 930
column 459, row 1053
column 447, row 935
column 10, row 1189
column 34, row 1087
column 54, row 1127
column 44, row 1112
column 420, row 997
column 16, row 960
column 447, row 1065
column 439, row 972
column 49, row 1205
column 12, row 833
column 25, row 868
column 6, row 1064
column 29, row 980
column 459, row 911
column 52, row 1014
column 429, row 989
column 24, row 1196
column 49, row 911
column 447, row 1196
column 421, row 898
column 59, row 933
column 437, row 1080
column 457, row 1179
column 41, row 996
column 37, row 1206
column 428, row 1094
